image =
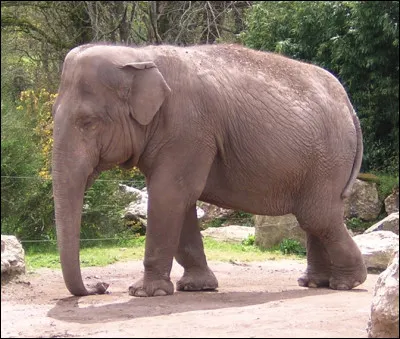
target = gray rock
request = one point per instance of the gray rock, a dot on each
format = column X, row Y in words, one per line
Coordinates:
column 390, row 223
column 214, row 212
column 377, row 248
column 233, row 233
column 363, row 202
column 12, row 257
column 392, row 202
column 384, row 318
column 270, row 231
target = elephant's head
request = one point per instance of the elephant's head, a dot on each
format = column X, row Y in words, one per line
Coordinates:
column 107, row 98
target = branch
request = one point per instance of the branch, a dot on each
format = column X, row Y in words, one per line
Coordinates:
column 213, row 15
column 27, row 27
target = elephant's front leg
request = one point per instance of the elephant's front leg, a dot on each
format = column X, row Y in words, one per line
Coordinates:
column 165, row 219
column 197, row 275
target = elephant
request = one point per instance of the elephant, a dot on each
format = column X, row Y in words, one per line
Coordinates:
column 224, row 124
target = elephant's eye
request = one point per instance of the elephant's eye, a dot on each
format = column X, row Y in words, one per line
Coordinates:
column 86, row 125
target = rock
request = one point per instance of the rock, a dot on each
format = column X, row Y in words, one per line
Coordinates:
column 136, row 209
column 384, row 317
column 390, row 223
column 270, row 231
column 377, row 248
column 363, row 202
column 233, row 233
column 392, row 202
column 12, row 257
column 214, row 212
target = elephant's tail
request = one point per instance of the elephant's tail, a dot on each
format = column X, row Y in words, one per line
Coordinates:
column 358, row 158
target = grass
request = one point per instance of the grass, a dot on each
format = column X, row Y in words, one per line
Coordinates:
column 109, row 253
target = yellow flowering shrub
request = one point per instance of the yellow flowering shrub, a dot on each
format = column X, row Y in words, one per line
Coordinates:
column 38, row 104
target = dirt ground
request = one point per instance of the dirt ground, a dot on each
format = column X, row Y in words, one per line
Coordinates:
column 256, row 300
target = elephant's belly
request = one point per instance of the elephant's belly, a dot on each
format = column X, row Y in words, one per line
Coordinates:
column 247, row 200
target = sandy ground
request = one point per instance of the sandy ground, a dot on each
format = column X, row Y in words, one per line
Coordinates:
column 256, row 300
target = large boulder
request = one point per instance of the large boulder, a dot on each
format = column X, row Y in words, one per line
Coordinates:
column 233, row 233
column 12, row 257
column 392, row 202
column 390, row 223
column 270, row 231
column 363, row 202
column 384, row 317
column 377, row 248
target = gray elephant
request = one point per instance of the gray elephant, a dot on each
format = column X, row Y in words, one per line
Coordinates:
column 223, row 124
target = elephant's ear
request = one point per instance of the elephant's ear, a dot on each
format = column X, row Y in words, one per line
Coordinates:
column 146, row 92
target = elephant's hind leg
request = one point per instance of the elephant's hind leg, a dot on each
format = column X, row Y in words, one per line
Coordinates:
column 197, row 275
column 318, row 270
column 333, row 258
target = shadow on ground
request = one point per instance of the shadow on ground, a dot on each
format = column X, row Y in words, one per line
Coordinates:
column 85, row 311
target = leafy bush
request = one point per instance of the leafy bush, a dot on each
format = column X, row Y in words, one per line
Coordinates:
column 26, row 198
column 357, row 225
column 249, row 241
column 386, row 185
column 291, row 246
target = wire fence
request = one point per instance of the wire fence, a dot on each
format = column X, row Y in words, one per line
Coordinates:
column 49, row 179
column 230, row 217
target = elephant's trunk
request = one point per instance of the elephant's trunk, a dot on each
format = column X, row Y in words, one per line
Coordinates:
column 68, row 189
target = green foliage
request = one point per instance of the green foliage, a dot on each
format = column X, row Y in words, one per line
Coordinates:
column 359, row 42
column 104, row 204
column 249, row 241
column 292, row 246
column 387, row 183
column 357, row 225
column 26, row 199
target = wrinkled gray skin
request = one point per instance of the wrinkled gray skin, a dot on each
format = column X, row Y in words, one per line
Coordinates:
column 237, row 128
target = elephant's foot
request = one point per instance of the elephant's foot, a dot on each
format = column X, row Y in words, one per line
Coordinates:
column 314, row 280
column 348, row 279
column 336, row 279
column 197, row 280
column 153, row 288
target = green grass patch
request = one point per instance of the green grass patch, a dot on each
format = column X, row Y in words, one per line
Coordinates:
column 106, row 253
column 228, row 252
column 101, row 253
